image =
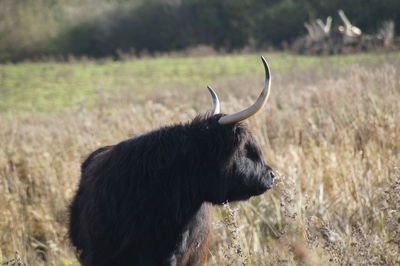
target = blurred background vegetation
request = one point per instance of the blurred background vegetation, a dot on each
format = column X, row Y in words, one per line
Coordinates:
column 98, row 28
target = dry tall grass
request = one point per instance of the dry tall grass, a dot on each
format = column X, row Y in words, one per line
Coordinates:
column 332, row 133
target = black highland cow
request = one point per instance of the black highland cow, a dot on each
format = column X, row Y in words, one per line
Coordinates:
column 148, row 200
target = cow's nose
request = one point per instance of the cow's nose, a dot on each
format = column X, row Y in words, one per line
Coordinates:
column 271, row 174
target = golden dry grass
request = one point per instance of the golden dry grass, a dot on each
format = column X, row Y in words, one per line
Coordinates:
column 332, row 131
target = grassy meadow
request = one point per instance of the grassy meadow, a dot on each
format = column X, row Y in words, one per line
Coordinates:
column 331, row 130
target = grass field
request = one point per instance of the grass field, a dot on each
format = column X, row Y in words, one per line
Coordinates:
column 331, row 130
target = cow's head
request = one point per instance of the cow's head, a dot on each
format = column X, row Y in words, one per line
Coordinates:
column 232, row 162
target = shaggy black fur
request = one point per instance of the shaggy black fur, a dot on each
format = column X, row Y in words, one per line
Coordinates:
column 146, row 200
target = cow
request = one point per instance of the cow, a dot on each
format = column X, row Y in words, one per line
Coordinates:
column 148, row 200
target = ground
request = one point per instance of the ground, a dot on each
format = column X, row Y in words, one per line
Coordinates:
column 331, row 130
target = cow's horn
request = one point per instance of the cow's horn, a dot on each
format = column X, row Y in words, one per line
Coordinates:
column 215, row 101
column 260, row 102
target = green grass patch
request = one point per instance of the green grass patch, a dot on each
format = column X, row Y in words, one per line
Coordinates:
column 53, row 87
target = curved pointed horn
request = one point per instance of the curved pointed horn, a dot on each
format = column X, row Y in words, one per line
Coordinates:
column 260, row 102
column 215, row 101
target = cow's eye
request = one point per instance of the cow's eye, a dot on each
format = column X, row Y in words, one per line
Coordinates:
column 252, row 153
